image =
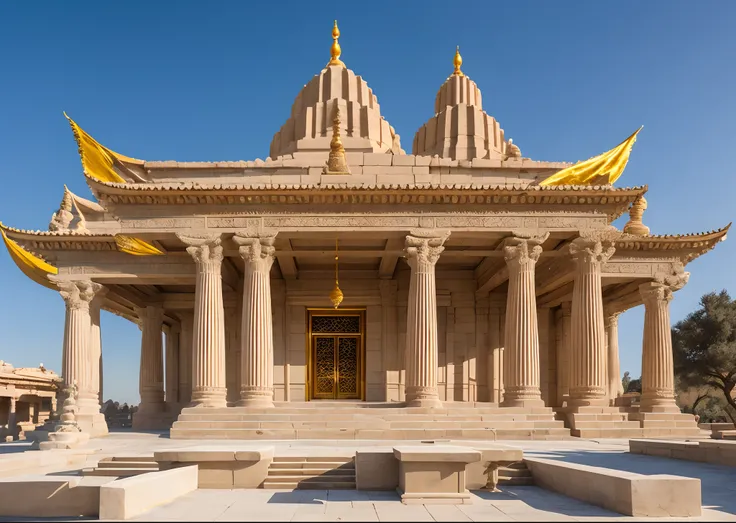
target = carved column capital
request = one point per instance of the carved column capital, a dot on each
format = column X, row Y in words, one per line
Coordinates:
column 655, row 292
column 425, row 247
column 588, row 251
column 206, row 251
column 256, row 249
column 610, row 319
column 79, row 294
column 526, row 248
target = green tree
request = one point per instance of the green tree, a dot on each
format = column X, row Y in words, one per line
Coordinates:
column 704, row 347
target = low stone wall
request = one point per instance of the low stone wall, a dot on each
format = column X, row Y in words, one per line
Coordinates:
column 717, row 452
column 34, row 462
column 628, row 493
column 220, row 467
column 49, row 496
column 131, row 497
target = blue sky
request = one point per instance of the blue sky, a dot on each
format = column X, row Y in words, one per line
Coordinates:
column 214, row 81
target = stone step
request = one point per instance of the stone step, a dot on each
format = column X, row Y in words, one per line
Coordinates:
column 330, row 417
column 662, row 416
column 242, row 411
column 314, row 478
column 610, row 416
column 370, row 434
column 612, row 433
column 116, row 472
column 310, row 472
column 146, row 458
column 605, row 424
column 314, row 459
column 127, row 464
column 319, row 485
column 375, row 424
column 515, row 481
column 514, row 473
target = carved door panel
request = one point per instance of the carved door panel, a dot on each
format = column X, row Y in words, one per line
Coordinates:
column 336, row 367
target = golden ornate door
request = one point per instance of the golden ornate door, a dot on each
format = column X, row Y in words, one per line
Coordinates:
column 335, row 354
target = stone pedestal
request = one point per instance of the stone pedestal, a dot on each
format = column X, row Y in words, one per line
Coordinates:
column 423, row 249
column 208, row 350
column 657, row 367
column 434, row 474
column 521, row 347
column 256, row 388
column 79, row 354
column 588, row 380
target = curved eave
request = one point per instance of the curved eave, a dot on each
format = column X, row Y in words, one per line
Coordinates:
column 60, row 240
column 31, row 264
column 686, row 246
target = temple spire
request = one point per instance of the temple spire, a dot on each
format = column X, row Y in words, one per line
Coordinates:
column 335, row 50
column 457, row 62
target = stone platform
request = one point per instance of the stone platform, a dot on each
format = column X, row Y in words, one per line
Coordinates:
column 370, row 421
column 625, row 422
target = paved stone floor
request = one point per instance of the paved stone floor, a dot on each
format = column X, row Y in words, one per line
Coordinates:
column 514, row 504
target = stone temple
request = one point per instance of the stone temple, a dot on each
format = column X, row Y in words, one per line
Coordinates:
column 343, row 288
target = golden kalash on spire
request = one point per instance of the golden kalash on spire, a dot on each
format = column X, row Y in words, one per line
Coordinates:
column 335, row 50
column 457, row 62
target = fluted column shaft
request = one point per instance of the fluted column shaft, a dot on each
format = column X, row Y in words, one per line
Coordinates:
column 256, row 388
column 208, row 346
column 422, row 252
column 563, row 353
column 151, row 380
column 76, row 366
column 495, row 348
column 588, row 380
column 657, row 366
column 615, row 387
column 172, row 364
column 186, row 337
column 95, row 341
column 521, row 345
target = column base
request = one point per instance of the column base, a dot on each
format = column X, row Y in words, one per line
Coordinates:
column 426, row 397
column 523, row 402
column 255, row 403
column 213, row 398
column 588, row 398
column 658, row 404
column 256, row 397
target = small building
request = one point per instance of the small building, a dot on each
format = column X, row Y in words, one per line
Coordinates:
column 27, row 398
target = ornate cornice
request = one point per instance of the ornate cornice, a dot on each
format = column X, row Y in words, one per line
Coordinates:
column 694, row 245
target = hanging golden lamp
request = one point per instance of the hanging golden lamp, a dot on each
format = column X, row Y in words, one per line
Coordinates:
column 336, row 295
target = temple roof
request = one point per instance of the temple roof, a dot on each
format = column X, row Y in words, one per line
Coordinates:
column 309, row 128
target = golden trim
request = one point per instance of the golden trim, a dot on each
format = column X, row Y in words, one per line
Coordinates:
column 322, row 311
column 31, row 265
column 136, row 246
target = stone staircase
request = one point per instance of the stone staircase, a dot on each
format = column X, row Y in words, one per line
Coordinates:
column 516, row 474
column 315, row 473
column 627, row 422
column 122, row 466
column 369, row 421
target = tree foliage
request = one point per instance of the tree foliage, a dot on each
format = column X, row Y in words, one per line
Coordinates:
column 704, row 347
column 625, row 381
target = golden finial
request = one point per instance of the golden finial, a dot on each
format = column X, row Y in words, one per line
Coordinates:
column 458, row 61
column 636, row 212
column 336, row 161
column 336, row 295
column 335, row 50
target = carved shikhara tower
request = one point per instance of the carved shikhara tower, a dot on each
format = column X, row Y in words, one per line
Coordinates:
column 470, row 279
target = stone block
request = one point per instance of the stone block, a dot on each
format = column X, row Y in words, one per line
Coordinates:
column 434, row 474
column 48, row 496
column 423, row 161
column 403, row 159
column 623, row 492
column 475, row 473
column 376, row 470
column 377, row 159
column 130, row 497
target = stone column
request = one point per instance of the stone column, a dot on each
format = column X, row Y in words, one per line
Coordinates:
column 185, row 354
column 208, row 346
column 563, row 353
column 172, row 365
column 521, row 346
column 588, row 380
column 615, row 387
column 256, row 353
column 495, row 349
column 151, row 380
column 77, row 362
column 657, row 367
column 423, row 249
column 12, row 422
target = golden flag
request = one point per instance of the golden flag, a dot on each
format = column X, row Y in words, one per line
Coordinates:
column 136, row 246
column 98, row 161
column 601, row 170
column 31, row 265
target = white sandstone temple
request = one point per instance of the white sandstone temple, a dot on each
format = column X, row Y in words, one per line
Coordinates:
column 343, row 288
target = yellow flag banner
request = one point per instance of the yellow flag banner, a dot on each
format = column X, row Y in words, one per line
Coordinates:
column 136, row 246
column 98, row 161
column 601, row 170
column 31, row 265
